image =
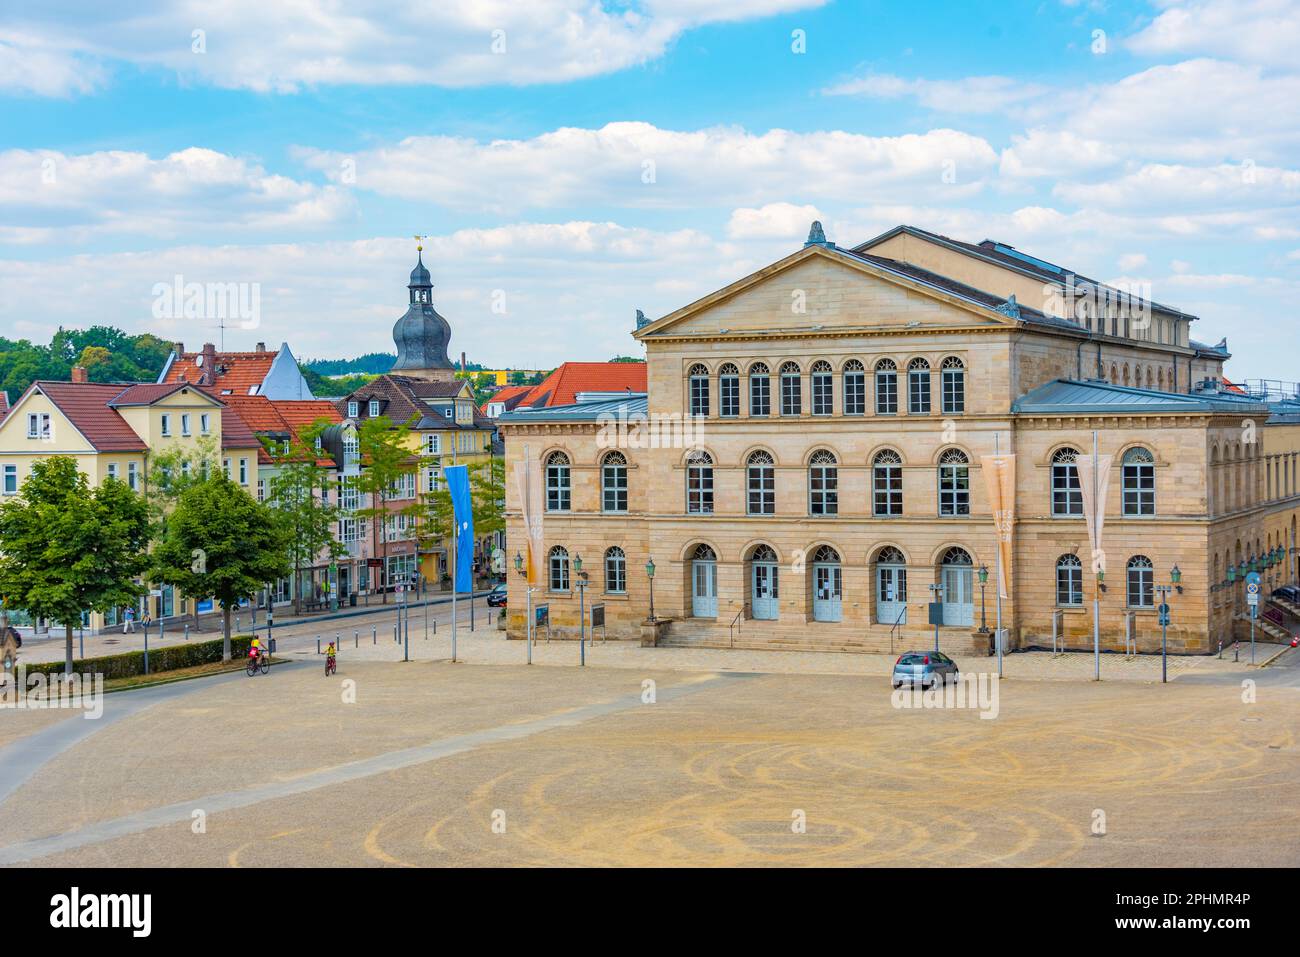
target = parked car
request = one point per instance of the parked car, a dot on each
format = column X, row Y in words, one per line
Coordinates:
column 924, row 668
column 1288, row 593
column 496, row 598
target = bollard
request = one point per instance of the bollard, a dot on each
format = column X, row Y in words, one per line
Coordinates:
column 318, row 644
column 162, row 628
column 374, row 640
column 356, row 639
column 236, row 624
column 187, row 631
column 1220, row 649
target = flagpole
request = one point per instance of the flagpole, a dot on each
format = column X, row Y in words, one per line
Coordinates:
column 997, row 524
column 454, row 569
column 1096, row 594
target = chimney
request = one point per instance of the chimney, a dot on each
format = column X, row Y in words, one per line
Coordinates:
column 207, row 367
column 79, row 374
column 261, row 347
column 178, row 348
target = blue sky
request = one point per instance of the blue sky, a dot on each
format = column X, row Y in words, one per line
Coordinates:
column 572, row 162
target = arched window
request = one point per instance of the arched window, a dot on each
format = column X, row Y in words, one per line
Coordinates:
column 1141, row 579
column 918, row 387
column 613, row 483
column 953, row 386
column 886, row 387
column 699, row 381
column 823, row 388
column 760, row 390
column 887, row 483
column 703, row 553
column 823, row 484
column 760, row 479
column 763, row 553
column 558, row 482
column 791, row 389
column 728, row 391
column 889, row 555
column 1067, row 499
column 855, row 388
column 825, row 553
column 559, row 569
column 1139, row 476
column 954, row 483
column 699, row 483
column 615, row 571
column 1069, row 580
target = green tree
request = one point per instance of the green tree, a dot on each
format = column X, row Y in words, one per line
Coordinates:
column 487, row 486
column 66, row 548
column 219, row 541
column 386, row 459
column 298, row 493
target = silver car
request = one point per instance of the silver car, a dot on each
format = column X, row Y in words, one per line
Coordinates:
column 924, row 668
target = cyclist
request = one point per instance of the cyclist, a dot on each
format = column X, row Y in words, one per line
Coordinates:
column 330, row 663
column 255, row 648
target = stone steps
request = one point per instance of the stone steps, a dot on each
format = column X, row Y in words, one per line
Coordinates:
column 821, row 636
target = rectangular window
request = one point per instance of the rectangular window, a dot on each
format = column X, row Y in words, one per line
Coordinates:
column 243, row 472
column 166, row 424
column 132, row 477
column 1069, row 584
column 699, row 395
column 185, row 423
column 205, row 423
column 887, row 393
column 354, row 409
column 791, row 394
column 918, row 392
column 762, row 490
column 888, row 498
column 855, row 393
column 261, row 490
column 1140, row 591
column 822, row 393
column 699, row 489
column 11, row 480
column 38, row 425
column 760, row 395
column 729, row 389
column 954, row 490
column 954, row 391
column 112, row 470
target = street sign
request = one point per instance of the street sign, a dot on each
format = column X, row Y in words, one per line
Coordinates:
column 1164, row 614
column 935, row 609
column 542, row 615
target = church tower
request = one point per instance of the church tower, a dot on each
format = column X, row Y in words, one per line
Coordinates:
column 422, row 335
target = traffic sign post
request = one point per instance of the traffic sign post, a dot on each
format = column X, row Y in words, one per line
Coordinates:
column 1252, row 602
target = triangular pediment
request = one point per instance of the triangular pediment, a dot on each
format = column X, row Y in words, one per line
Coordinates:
column 825, row 289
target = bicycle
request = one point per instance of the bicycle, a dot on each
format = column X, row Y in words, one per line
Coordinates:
column 331, row 665
column 261, row 661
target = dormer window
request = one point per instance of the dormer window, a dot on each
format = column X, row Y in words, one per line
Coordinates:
column 374, row 408
column 354, row 409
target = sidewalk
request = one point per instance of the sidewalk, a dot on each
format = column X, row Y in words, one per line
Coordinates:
column 491, row 647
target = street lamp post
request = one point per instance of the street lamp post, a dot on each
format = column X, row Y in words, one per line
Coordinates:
column 1175, row 578
column 984, row 579
column 650, row 574
column 580, row 580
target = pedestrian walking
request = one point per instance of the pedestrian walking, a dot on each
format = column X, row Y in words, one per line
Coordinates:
column 128, row 622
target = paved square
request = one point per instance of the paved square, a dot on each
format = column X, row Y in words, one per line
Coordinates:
column 441, row 764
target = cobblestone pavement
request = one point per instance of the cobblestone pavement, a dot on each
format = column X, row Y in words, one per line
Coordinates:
column 430, row 763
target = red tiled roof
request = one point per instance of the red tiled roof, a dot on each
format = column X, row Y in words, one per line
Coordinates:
column 4, row 404
column 236, row 434
column 150, row 392
column 86, row 405
column 235, row 371
column 257, row 412
column 562, row 386
column 300, row 413
column 505, row 394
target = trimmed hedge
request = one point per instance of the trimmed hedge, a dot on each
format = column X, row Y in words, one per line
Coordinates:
column 166, row 658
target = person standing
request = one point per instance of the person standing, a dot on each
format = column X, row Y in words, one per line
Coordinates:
column 128, row 622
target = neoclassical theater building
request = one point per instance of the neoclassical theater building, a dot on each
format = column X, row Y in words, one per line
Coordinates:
column 804, row 469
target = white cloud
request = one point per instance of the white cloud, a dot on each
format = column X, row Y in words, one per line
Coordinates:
column 634, row 164
column 1132, row 261
column 1231, row 187
column 975, row 94
column 1254, row 31
column 773, row 221
column 284, row 46
column 46, row 193
column 29, row 65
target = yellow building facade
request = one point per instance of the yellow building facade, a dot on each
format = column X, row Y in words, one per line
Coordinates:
column 805, row 468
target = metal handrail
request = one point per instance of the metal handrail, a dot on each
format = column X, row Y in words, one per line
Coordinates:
column 901, row 615
column 735, row 624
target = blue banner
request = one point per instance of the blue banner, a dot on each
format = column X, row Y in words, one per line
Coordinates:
column 457, row 477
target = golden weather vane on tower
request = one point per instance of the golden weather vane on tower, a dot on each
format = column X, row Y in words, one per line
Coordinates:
column 419, row 242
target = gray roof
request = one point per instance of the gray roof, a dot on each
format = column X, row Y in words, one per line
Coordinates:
column 1070, row 396
column 625, row 406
